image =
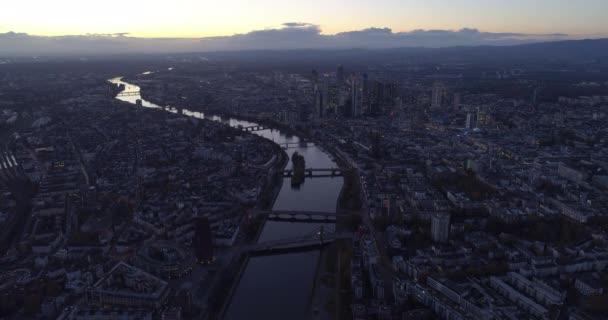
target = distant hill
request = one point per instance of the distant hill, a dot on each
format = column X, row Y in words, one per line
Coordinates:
column 571, row 51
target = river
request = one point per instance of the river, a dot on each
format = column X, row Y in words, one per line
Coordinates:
column 277, row 286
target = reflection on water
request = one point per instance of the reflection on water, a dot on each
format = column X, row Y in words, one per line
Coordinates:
column 275, row 287
column 277, row 230
column 279, row 286
column 316, row 194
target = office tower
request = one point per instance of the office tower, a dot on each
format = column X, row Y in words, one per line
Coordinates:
column 319, row 105
column 331, row 98
column 381, row 94
column 355, row 97
column 203, row 241
column 456, row 101
column 440, row 227
column 469, row 124
column 437, row 96
column 375, row 97
column 535, row 97
column 365, row 93
column 315, row 78
column 340, row 74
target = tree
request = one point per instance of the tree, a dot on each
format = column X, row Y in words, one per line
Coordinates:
column 299, row 169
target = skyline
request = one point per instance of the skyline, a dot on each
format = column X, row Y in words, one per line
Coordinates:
column 199, row 19
column 291, row 35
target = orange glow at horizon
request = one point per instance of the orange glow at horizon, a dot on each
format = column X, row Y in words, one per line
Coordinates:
column 204, row 18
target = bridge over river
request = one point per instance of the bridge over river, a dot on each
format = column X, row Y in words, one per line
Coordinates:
column 253, row 128
column 128, row 94
column 299, row 216
column 317, row 173
column 295, row 243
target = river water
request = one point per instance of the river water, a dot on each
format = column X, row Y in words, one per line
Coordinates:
column 279, row 286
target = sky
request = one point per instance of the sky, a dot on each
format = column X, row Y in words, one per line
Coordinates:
column 204, row 18
column 123, row 26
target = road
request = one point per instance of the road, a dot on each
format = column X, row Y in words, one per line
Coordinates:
column 385, row 263
column 386, row 266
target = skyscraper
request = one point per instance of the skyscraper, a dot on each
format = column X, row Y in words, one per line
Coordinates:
column 319, row 105
column 440, row 227
column 355, row 109
column 437, row 96
column 340, row 74
column 381, row 94
column 469, row 124
column 535, row 97
column 203, row 241
column 315, row 78
column 365, row 92
column 456, row 101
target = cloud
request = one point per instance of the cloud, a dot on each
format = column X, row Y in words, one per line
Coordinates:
column 291, row 35
column 299, row 25
column 298, row 35
column 118, row 34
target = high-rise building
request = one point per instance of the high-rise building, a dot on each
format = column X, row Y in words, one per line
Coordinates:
column 456, row 101
column 469, row 124
column 365, row 92
column 340, row 74
column 319, row 105
column 440, row 227
column 381, row 94
column 331, row 98
column 437, row 96
column 203, row 241
column 355, row 110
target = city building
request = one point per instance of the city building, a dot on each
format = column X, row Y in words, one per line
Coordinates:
column 203, row 241
column 437, row 94
column 440, row 227
column 164, row 259
column 340, row 75
column 128, row 286
column 355, row 108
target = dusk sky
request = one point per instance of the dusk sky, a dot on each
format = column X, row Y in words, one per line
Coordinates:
column 204, row 18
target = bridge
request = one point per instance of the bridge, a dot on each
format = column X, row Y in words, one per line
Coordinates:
column 253, row 128
column 317, row 173
column 296, row 243
column 302, row 144
column 236, row 263
column 299, row 216
column 128, row 93
column 305, row 242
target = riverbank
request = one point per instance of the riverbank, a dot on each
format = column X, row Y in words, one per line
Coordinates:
column 233, row 272
column 231, row 277
column 331, row 294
